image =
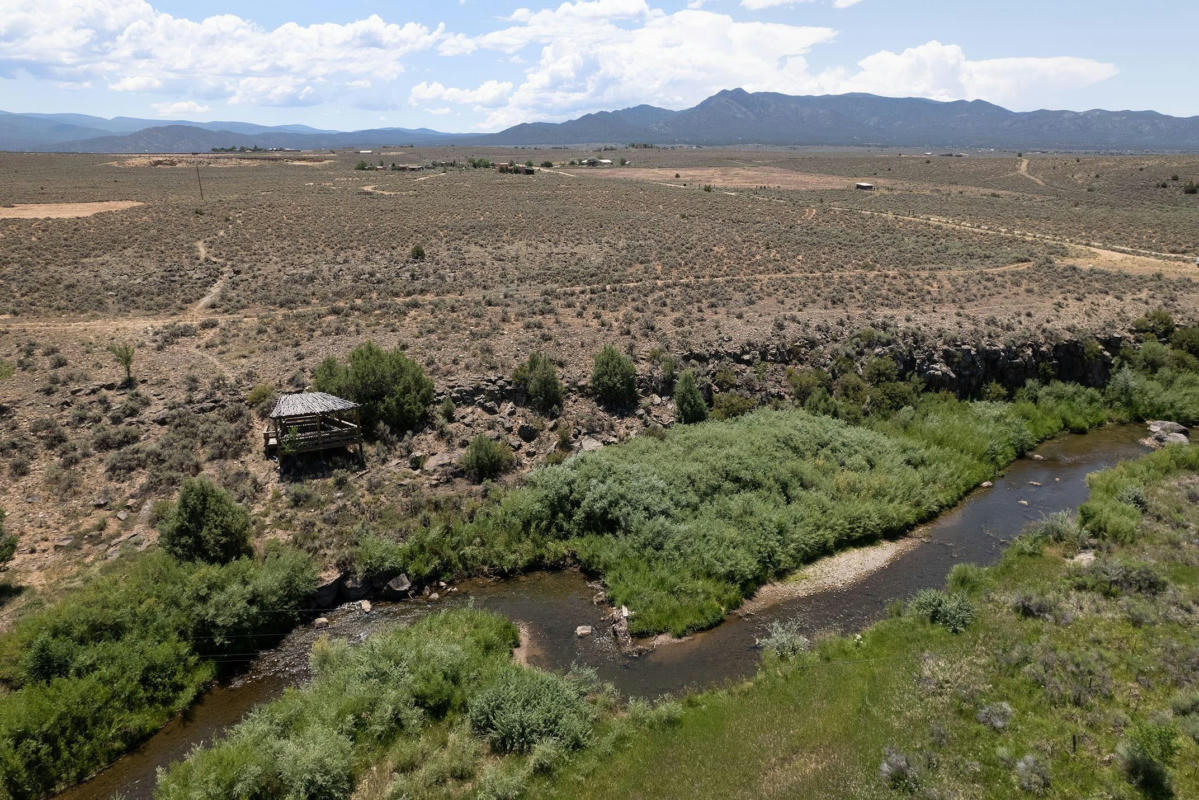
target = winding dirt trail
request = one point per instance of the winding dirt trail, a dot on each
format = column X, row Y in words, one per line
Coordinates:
column 1024, row 171
column 214, row 291
column 1129, row 259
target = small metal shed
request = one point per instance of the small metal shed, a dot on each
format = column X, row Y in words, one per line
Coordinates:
column 304, row 422
column 866, row 187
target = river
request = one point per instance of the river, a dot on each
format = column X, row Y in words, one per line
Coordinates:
column 548, row 606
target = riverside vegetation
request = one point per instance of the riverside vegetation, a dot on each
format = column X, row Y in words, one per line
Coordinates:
column 681, row 525
column 1019, row 680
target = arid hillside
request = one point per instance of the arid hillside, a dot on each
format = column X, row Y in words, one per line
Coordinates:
column 736, row 263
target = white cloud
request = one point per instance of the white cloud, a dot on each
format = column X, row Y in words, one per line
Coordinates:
column 133, row 47
column 605, row 54
column 845, row 3
column 758, row 5
column 943, row 72
column 182, row 107
column 487, row 95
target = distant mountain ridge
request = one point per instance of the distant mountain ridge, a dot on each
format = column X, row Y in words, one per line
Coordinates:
column 730, row 117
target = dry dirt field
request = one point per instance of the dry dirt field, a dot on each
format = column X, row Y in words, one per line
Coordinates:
column 303, row 256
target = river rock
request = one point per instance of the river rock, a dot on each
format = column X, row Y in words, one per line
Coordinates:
column 582, row 631
column 1165, row 426
column 1022, row 502
column 987, row 484
column 1037, row 457
column 397, row 587
column 433, row 598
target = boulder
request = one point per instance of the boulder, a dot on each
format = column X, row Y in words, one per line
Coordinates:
column 1165, row 426
column 527, row 432
column 398, row 587
column 365, row 605
column 590, row 443
column 320, row 622
column 582, row 631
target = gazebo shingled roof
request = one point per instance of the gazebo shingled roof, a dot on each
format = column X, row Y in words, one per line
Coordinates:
column 304, row 403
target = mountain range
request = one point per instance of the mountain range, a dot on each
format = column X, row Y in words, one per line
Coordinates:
column 730, row 117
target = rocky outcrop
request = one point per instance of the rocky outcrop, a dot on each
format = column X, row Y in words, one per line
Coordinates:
column 1163, row 432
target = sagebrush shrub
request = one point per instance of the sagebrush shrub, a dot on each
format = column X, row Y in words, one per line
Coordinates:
column 486, row 458
column 524, row 708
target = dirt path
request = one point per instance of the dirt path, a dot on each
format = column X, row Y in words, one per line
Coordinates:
column 215, row 290
column 1024, row 171
column 1129, row 259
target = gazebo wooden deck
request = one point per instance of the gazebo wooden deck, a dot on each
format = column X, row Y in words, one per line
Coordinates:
column 305, row 422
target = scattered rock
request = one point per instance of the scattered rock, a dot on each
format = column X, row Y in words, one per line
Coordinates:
column 1034, row 483
column 101, row 501
column 433, row 598
column 122, row 515
column 582, row 631
column 589, row 444
column 526, row 432
column 1022, row 502
column 365, row 605
column 1037, row 457
column 320, row 622
column 397, row 587
column 64, row 542
column 987, row 484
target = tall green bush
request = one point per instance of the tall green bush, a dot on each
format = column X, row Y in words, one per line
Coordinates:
column 205, row 524
column 689, row 400
column 392, row 388
column 614, row 378
column 538, row 378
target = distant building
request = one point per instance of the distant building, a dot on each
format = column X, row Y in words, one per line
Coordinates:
column 866, row 187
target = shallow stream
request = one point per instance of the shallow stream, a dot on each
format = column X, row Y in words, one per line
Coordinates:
column 549, row 606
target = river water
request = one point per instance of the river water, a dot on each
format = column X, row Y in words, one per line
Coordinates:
column 549, row 606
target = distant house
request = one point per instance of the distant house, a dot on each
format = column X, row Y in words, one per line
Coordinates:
column 866, row 187
column 595, row 162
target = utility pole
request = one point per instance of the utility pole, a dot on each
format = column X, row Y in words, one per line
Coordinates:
column 198, row 183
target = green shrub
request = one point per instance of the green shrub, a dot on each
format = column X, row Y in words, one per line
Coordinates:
column 954, row 611
column 1146, row 753
column 307, row 744
column 804, row 382
column 418, row 252
column 728, row 405
column 525, row 707
column 261, row 398
column 538, row 378
column 205, row 525
column 392, row 388
column 784, row 640
column 486, row 458
column 614, row 378
column 689, row 400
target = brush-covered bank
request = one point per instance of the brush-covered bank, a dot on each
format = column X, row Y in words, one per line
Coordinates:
column 1076, row 674
column 684, row 525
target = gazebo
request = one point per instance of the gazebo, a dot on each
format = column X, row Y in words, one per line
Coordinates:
column 305, row 422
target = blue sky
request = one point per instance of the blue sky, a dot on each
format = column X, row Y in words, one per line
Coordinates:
column 486, row 64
